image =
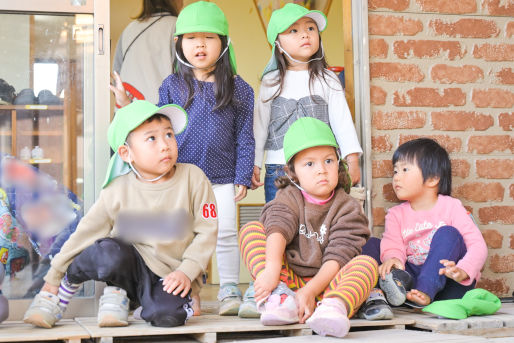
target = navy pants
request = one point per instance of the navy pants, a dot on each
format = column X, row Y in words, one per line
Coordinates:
column 448, row 244
column 273, row 171
column 119, row 264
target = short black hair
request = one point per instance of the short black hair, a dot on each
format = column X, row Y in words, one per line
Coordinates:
column 157, row 116
column 431, row 158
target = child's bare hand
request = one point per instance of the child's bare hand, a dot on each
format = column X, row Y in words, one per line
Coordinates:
column 306, row 303
column 353, row 168
column 118, row 90
column 452, row 271
column 50, row 288
column 177, row 282
column 385, row 268
column 241, row 193
column 264, row 284
column 256, row 178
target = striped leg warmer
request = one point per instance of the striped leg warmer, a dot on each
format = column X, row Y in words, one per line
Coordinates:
column 66, row 291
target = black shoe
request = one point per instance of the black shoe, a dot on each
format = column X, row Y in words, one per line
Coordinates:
column 396, row 285
column 376, row 307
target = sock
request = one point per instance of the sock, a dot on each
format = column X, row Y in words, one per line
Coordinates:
column 66, row 291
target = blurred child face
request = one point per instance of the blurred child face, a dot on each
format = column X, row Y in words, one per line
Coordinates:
column 300, row 40
column 201, row 49
column 317, row 171
column 408, row 181
column 152, row 150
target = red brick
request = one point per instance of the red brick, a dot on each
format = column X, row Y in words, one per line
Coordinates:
column 493, row 239
column 444, row 73
column 505, row 76
column 430, row 97
column 378, row 216
column 377, row 95
column 465, row 28
column 469, row 208
column 488, row 144
column 396, row 72
column 499, row 7
column 378, row 48
column 451, row 144
column 506, row 121
column 460, row 168
column 388, row 193
column 381, row 143
column 496, row 286
column 445, row 6
column 461, row 121
column 479, row 191
column 509, row 29
column 511, row 191
column 398, row 120
column 395, row 5
column 493, row 97
column 382, row 168
column 494, row 52
column 502, row 264
column 495, row 169
column 428, row 49
column 496, row 214
column 388, row 25
column 512, row 241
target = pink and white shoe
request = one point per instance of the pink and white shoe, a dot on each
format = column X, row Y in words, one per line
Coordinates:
column 280, row 309
column 330, row 318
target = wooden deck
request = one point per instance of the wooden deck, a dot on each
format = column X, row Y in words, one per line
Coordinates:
column 407, row 326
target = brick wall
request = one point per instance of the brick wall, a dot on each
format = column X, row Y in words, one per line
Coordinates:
column 445, row 69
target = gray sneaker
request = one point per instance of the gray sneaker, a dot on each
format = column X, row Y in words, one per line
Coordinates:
column 395, row 286
column 44, row 311
column 114, row 307
column 248, row 308
column 229, row 297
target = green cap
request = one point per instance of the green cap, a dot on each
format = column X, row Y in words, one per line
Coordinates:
column 307, row 132
column 476, row 302
column 129, row 118
column 284, row 17
column 203, row 16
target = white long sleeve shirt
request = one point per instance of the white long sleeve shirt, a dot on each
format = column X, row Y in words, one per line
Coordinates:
column 273, row 118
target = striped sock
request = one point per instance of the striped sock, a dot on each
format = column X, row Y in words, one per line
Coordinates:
column 66, row 291
column 354, row 282
column 252, row 243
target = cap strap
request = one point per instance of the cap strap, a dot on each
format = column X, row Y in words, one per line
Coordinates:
column 193, row 67
column 302, row 62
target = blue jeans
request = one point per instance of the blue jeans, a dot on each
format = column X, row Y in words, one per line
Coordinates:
column 448, row 244
column 273, row 171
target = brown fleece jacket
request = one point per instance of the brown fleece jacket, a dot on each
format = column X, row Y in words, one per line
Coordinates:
column 315, row 233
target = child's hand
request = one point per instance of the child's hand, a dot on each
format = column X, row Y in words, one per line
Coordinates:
column 264, row 284
column 118, row 90
column 385, row 268
column 452, row 271
column 353, row 168
column 177, row 282
column 241, row 193
column 256, row 178
column 306, row 303
column 50, row 288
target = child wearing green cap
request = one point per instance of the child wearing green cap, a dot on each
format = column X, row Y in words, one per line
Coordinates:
column 296, row 83
column 149, row 236
column 219, row 137
column 306, row 246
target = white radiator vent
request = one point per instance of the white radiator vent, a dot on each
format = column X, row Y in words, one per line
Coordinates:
column 247, row 213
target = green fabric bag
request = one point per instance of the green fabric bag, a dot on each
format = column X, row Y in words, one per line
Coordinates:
column 476, row 302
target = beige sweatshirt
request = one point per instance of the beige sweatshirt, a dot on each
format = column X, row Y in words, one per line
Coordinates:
column 188, row 189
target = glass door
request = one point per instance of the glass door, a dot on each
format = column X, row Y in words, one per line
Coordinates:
column 50, row 140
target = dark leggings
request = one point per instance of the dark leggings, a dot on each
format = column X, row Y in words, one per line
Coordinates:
column 448, row 244
column 119, row 264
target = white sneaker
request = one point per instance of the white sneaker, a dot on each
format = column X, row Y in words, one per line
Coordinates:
column 114, row 306
column 44, row 311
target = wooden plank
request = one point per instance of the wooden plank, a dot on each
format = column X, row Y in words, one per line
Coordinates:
column 379, row 336
column 66, row 329
column 348, row 56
